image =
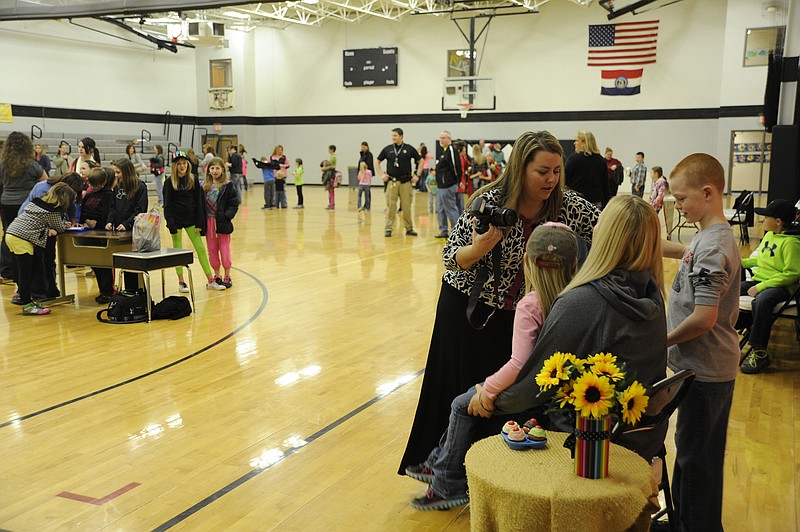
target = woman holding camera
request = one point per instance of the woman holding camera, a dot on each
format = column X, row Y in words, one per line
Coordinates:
column 460, row 355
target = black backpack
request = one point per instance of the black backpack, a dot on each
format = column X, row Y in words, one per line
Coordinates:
column 172, row 308
column 125, row 307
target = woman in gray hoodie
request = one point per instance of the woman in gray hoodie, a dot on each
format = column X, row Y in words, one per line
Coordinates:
column 615, row 305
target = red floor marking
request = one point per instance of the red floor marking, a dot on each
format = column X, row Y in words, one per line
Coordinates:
column 101, row 500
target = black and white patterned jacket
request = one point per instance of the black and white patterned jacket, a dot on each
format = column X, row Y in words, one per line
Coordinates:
column 36, row 220
column 576, row 212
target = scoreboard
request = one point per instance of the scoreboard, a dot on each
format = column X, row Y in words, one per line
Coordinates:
column 370, row 67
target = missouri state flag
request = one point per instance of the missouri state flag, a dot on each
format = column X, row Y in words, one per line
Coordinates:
column 621, row 82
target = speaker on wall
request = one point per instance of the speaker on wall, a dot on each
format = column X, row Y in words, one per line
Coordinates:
column 784, row 167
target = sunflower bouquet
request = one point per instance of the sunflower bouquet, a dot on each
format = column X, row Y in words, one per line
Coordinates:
column 593, row 389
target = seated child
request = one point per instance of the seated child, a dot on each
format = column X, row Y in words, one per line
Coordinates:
column 550, row 262
column 776, row 274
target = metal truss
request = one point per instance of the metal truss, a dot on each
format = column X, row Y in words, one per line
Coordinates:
column 155, row 17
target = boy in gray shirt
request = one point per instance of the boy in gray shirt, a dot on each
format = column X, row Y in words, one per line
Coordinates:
column 703, row 307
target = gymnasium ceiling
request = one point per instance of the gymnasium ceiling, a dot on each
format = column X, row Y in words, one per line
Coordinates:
column 163, row 19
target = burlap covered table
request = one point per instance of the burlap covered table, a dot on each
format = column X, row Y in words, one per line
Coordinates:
column 538, row 490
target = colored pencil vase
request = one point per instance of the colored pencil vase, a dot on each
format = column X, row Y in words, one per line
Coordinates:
column 592, row 443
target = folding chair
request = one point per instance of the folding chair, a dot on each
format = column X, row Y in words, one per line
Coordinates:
column 664, row 400
column 743, row 215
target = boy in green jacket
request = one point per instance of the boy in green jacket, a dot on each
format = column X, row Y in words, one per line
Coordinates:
column 775, row 277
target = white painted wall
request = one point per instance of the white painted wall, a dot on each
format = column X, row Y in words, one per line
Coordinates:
column 57, row 64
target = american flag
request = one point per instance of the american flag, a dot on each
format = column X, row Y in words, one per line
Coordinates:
column 622, row 44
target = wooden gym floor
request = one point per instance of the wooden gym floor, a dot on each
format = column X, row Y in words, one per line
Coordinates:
column 285, row 402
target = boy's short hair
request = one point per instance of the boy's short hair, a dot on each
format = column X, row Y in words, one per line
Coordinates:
column 324, row 163
column 700, row 169
column 299, row 160
column 264, row 158
column 332, row 147
column 640, row 153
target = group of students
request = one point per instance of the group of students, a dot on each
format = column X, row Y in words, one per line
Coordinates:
column 275, row 171
column 614, row 303
column 111, row 198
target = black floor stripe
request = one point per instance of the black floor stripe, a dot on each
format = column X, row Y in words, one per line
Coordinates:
column 157, row 370
column 257, row 471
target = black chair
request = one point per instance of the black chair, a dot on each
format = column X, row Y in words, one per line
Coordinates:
column 665, row 397
column 743, row 215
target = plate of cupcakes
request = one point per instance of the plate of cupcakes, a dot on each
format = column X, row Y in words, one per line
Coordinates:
column 528, row 436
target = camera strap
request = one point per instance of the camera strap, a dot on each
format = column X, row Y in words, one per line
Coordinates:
column 475, row 292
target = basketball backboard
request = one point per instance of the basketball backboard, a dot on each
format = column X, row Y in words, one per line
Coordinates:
column 468, row 90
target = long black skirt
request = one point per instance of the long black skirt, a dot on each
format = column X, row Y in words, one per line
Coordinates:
column 459, row 357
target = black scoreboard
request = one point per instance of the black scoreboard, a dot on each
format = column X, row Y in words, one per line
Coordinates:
column 370, row 67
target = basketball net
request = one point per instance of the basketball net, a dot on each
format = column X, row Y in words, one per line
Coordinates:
column 464, row 109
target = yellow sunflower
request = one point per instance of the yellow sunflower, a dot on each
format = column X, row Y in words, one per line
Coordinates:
column 565, row 396
column 594, row 395
column 602, row 357
column 578, row 363
column 633, row 401
column 608, row 369
column 553, row 372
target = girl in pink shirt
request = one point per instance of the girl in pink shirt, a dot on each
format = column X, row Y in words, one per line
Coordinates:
column 364, row 182
column 550, row 262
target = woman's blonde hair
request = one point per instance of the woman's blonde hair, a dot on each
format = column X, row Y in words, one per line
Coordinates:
column 477, row 155
column 628, row 237
column 510, row 183
column 190, row 179
column 589, row 142
column 216, row 161
column 61, row 195
column 275, row 151
column 41, row 147
column 129, row 182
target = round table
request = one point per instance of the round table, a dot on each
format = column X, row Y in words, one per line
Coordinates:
column 538, row 489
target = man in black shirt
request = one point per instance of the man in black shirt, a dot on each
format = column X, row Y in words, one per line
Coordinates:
column 448, row 172
column 234, row 165
column 400, row 177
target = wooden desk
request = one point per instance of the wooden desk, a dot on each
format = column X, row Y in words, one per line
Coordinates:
column 144, row 262
column 536, row 490
column 93, row 248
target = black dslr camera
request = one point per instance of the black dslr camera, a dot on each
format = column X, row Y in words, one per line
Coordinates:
column 487, row 214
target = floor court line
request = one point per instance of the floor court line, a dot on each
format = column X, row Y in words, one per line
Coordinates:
column 190, row 356
column 258, row 470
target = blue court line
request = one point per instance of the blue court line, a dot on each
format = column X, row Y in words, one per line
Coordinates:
column 157, row 370
column 258, row 470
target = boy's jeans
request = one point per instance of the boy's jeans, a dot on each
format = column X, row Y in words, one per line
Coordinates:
column 700, row 434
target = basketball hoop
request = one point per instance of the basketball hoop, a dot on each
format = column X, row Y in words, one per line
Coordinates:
column 464, row 109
